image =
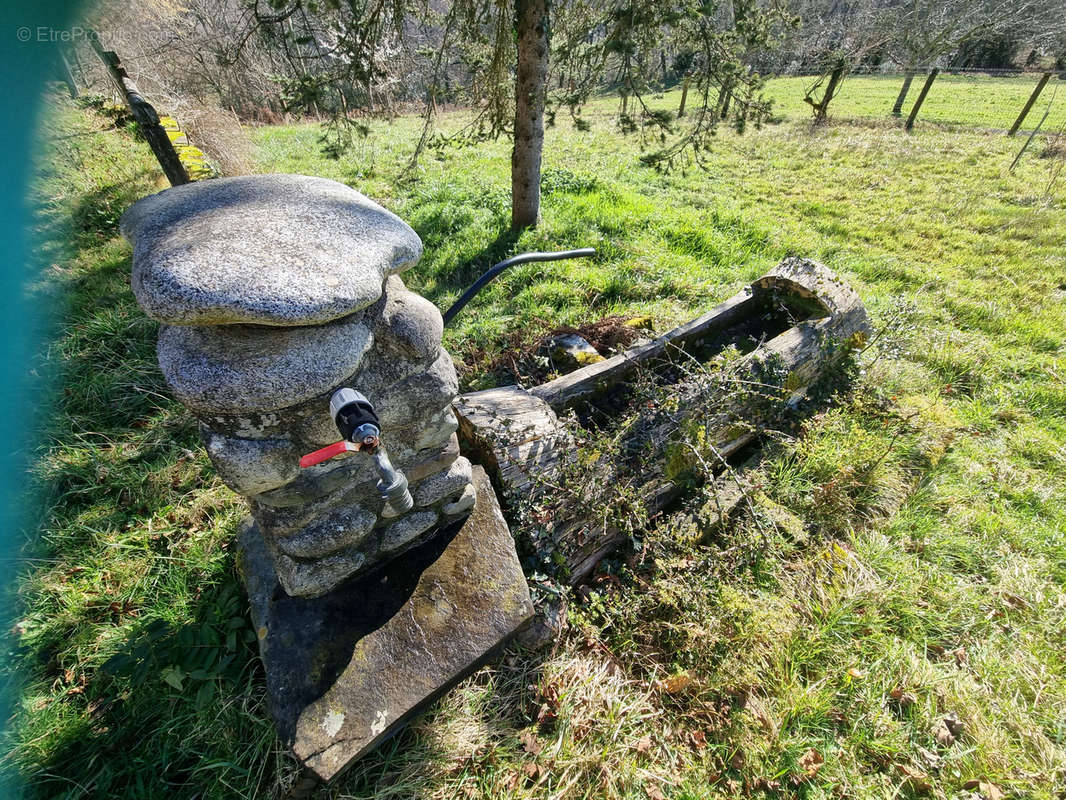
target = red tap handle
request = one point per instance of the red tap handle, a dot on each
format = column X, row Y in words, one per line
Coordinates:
column 328, row 452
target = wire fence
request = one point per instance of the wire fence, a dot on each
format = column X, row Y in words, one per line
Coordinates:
column 893, row 70
column 983, row 99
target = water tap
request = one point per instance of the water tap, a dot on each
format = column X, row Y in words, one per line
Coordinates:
column 358, row 424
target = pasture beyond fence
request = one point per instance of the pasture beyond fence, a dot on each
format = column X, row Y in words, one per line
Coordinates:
column 975, row 99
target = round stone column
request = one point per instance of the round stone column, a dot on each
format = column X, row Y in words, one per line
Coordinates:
column 272, row 292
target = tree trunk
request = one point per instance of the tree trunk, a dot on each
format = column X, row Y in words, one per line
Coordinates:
column 684, row 97
column 897, row 109
column 531, row 23
column 834, row 80
column 724, row 96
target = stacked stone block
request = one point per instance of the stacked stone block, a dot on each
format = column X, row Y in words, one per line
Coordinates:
column 272, row 292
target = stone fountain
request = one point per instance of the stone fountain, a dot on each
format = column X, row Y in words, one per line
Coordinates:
column 380, row 578
column 272, row 293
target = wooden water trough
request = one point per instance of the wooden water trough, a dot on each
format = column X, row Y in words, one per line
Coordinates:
column 672, row 411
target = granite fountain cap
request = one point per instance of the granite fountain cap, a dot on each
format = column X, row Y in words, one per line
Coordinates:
column 282, row 250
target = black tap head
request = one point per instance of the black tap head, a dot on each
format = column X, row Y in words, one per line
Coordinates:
column 354, row 416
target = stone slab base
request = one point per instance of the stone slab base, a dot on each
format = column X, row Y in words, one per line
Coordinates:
column 347, row 670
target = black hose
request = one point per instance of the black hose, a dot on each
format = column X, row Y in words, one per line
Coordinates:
column 524, row 258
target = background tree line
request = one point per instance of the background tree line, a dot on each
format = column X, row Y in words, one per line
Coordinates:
column 520, row 63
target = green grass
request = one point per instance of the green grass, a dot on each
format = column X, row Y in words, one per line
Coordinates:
column 136, row 526
column 958, row 100
column 907, row 560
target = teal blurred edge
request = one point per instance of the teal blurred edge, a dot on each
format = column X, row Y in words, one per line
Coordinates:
column 26, row 63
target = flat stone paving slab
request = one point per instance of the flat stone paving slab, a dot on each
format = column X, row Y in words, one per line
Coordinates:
column 347, row 670
column 263, row 249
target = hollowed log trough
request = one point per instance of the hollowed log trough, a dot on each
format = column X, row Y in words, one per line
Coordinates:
column 672, row 413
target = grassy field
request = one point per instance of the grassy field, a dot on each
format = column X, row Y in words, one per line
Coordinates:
column 955, row 100
column 891, row 622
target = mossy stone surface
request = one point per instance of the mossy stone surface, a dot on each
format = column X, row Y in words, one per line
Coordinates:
column 346, row 670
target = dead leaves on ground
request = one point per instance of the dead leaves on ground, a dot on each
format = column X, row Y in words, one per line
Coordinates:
column 943, row 735
column 914, row 779
column 530, row 772
column 947, row 729
column 675, row 684
column 987, row 789
column 530, row 743
column 707, row 724
column 810, row 762
column 528, row 775
column 546, row 715
column 904, row 698
column 758, row 708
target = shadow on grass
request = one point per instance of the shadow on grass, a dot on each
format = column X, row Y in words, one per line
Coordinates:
column 496, row 705
column 181, row 710
column 95, row 216
column 178, row 708
column 116, row 541
column 456, row 281
column 105, row 344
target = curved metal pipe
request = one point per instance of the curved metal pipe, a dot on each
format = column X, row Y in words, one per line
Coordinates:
column 524, row 258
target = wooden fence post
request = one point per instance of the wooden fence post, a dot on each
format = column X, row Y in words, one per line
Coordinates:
column 1029, row 103
column 76, row 63
column 921, row 98
column 68, row 74
column 146, row 116
column 684, row 96
column 897, row 107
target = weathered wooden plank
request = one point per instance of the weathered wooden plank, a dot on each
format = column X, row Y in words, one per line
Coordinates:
column 503, row 429
column 68, row 74
column 146, row 116
column 567, row 389
column 728, row 492
column 516, row 435
column 794, row 279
